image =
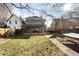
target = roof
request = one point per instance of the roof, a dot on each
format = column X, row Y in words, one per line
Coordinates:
column 19, row 18
column 35, row 18
column 9, row 17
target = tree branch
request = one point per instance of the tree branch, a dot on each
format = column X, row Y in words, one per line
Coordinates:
column 23, row 7
column 7, row 8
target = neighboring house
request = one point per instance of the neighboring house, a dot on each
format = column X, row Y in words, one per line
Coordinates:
column 74, row 24
column 74, row 14
column 35, row 24
column 74, row 20
column 58, row 24
column 14, row 22
column 65, row 25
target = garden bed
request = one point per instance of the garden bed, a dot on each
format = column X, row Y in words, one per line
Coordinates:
column 71, row 43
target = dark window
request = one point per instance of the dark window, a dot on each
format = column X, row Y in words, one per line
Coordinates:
column 10, row 21
column 15, row 22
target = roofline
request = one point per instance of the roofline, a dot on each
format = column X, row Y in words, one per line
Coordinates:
column 34, row 16
column 21, row 19
column 9, row 17
column 15, row 16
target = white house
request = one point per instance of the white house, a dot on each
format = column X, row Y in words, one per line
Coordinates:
column 14, row 22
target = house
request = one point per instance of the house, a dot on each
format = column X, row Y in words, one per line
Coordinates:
column 57, row 25
column 74, row 24
column 35, row 24
column 65, row 25
column 60, row 25
column 15, row 22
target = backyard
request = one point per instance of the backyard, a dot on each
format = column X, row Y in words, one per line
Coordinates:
column 29, row 45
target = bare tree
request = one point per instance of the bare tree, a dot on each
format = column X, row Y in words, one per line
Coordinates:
column 6, row 9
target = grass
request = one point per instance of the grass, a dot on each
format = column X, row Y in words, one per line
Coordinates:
column 34, row 45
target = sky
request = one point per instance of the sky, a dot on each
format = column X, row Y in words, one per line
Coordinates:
column 56, row 11
column 24, row 13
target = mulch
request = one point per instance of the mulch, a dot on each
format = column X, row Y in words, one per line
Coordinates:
column 70, row 44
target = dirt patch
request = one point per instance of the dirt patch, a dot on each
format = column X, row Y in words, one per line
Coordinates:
column 71, row 43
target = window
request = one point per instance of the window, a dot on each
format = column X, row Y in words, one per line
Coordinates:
column 10, row 21
column 15, row 22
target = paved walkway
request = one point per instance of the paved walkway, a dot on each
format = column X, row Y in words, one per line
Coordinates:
column 73, row 35
column 48, row 36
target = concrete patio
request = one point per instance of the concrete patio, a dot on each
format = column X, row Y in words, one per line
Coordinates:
column 73, row 35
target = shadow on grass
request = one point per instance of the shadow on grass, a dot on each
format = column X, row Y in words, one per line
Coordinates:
column 27, row 36
column 20, row 37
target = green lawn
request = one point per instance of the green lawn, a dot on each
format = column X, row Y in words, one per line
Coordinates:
column 29, row 45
